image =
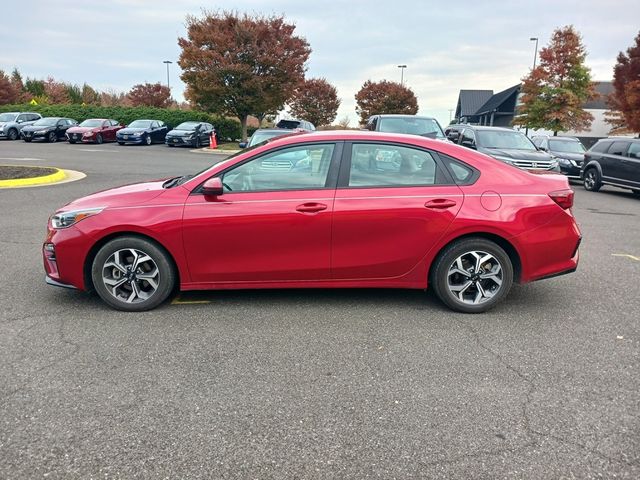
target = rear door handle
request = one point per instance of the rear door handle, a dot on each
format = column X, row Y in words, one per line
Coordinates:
column 440, row 203
column 311, row 207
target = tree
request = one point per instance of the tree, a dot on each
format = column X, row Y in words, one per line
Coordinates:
column 89, row 95
column 625, row 98
column 18, row 85
column 555, row 91
column 55, row 92
column 150, row 94
column 8, row 92
column 241, row 65
column 316, row 101
column 385, row 97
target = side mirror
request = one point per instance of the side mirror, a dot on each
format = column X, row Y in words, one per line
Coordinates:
column 242, row 144
column 468, row 144
column 213, row 187
column 19, row 121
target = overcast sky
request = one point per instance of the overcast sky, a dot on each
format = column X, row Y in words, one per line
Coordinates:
column 446, row 46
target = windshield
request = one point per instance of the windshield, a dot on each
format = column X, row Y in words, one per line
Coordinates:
column 46, row 122
column 140, row 124
column 510, row 140
column 8, row 117
column 427, row 127
column 259, row 137
column 91, row 123
column 566, row 146
column 187, row 126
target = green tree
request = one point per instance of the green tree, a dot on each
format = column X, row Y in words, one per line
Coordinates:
column 375, row 98
column 316, row 101
column 555, row 91
column 241, row 65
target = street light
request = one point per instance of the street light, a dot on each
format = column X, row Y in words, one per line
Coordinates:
column 535, row 55
column 402, row 67
column 167, row 62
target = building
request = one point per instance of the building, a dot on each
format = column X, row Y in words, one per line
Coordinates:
column 469, row 101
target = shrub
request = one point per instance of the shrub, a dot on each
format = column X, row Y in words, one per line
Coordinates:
column 228, row 129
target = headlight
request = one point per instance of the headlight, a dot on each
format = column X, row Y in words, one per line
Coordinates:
column 41, row 132
column 66, row 219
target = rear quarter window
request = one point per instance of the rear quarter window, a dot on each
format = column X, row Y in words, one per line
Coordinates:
column 601, row 147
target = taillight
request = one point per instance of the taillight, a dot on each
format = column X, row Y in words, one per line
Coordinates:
column 564, row 198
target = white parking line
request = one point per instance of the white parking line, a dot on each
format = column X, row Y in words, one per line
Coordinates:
column 92, row 150
column 626, row 255
column 24, row 159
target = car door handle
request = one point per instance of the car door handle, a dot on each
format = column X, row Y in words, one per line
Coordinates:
column 311, row 207
column 440, row 203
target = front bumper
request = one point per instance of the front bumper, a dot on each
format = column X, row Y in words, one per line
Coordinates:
column 51, row 281
column 34, row 135
column 570, row 170
column 178, row 141
column 130, row 139
column 80, row 137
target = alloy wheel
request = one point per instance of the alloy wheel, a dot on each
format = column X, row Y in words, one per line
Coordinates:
column 475, row 277
column 130, row 275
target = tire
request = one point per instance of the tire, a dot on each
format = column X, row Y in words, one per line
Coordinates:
column 99, row 139
column 197, row 143
column 120, row 143
column 636, row 192
column 124, row 290
column 12, row 134
column 170, row 146
column 147, row 140
column 72, row 141
column 27, row 139
column 52, row 137
column 592, row 181
column 469, row 289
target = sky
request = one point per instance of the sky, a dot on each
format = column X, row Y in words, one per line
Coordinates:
column 447, row 47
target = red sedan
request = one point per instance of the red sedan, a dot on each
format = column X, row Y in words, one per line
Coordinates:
column 325, row 209
column 94, row 130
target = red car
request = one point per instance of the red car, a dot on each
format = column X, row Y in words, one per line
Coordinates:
column 94, row 130
column 324, row 209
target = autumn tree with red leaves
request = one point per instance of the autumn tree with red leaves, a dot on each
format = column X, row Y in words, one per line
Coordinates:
column 625, row 98
column 8, row 92
column 241, row 65
column 150, row 95
column 56, row 92
column 555, row 91
column 375, row 98
column 316, row 101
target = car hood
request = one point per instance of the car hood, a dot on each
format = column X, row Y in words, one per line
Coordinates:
column 2, row 124
column 129, row 130
column 125, row 196
column 578, row 157
column 81, row 129
column 35, row 128
column 517, row 154
column 180, row 133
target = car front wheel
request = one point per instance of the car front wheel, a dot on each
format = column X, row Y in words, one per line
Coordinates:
column 147, row 139
column 132, row 274
column 13, row 134
column 472, row 275
column 592, row 181
column 52, row 137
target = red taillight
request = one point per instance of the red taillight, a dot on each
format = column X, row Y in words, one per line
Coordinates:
column 564, row 198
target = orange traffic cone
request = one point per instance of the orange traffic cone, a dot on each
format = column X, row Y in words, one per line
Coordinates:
column 212, row 141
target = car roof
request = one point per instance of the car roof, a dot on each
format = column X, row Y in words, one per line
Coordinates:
column 400, row 115
column 355, row 135
column 272, row 130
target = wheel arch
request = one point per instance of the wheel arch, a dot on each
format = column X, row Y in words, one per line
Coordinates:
column 505, row 244
column 88, row 261
column 593, row 164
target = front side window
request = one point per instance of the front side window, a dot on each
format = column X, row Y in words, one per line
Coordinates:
column 634, row 150
column 468, row 136
column 374, row 165
column 23, row 118
column 601, row 147
column 302, row 167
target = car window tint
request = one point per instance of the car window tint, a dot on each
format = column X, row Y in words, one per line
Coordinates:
column 297, row 168
column 618, row 148
column 23, row 118
column 374, row 165
column 601, row 147
column 634, row 150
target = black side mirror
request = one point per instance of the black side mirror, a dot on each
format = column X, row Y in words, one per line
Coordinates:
column 242, row 144
column 213, row 187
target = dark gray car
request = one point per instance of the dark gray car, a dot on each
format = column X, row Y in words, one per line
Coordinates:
column 12, row 122
column 613, row 161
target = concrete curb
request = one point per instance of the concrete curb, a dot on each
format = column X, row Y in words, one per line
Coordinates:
column 67, row 176
column 55, row 177
column 214, row 151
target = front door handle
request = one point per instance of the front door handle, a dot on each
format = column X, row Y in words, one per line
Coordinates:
column 440, row 203
column 311, row 207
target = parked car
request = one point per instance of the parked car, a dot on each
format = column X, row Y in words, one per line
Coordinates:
column 193, row 134
column 504, row 144
column 94, row 130
column 327, row 209
column 293, row 124
column 12, row 122
column 263, row 134
column 49, row 129
column 613, row 161
column 568, row 151
column 144, row 132
column 411, row 124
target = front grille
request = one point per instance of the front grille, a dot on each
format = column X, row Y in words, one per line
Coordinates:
column 537, row 165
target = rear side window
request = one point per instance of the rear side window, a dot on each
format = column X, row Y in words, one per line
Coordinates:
column 618, row 148
column 634, row 150
column 601, row 147
column 462, row 173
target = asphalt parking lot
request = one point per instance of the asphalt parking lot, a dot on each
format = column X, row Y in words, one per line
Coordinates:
column 313, row 384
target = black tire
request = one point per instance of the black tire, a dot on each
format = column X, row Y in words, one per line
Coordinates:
column 99, row 139
column 636, row 192
column 27, row 139
column 120, row 143
column 147, row 140
column 198, row 144
column 72, row 141
column 12, row 134
column 170, row 146
column 166, row 279
column 592, row 181
column 52, row 137
column 463, row 248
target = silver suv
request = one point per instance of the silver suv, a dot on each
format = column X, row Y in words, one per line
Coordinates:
column 12, row 122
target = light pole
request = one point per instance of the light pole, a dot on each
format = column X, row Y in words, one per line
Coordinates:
column 167, row 62
column 535, row 56
column 402, row 67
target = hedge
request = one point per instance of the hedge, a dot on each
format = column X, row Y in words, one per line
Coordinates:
column 227, row 128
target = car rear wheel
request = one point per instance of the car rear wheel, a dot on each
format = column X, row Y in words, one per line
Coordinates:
column 52, row 137
column 147, row 139
column 132, row 274
column 592, row 181
column 99, row 138
column 636, row 192
column 472, row 275
column 12, row 134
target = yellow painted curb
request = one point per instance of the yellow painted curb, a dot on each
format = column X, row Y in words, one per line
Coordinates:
column 57, row 176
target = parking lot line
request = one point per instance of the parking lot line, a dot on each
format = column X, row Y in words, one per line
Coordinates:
column 632, row 257
column 178, row 301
